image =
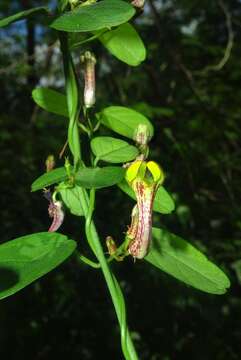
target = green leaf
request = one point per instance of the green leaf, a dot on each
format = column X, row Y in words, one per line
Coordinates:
column 27, row 258
column 163, row 202
column 99, row 177
column 51, row 100
column 125, row 44
column 72, row 197
column 177, row 257
column 113, row 150
column 52, row 177
column 123, row 120
column 104, row 14
column 22, row 15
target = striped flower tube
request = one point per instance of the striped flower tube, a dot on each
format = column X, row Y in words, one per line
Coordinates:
column 144, row 178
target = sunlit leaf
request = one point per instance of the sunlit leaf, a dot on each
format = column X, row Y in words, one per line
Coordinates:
column 52, row 177
column 51, row 100
column 124, row 121
column 27, row 258
column 113, row 150
column 104, row 14
column 125, row 44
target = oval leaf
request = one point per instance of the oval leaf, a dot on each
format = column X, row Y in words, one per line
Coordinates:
column 124, row 121
column 99, row 177
column 104, row 14
column 27, row 258
column 125, row 44
column 51, row 100
column 73, row 199
column 180, row 259
column 52, row 177
column 163, row 202
column 113, row 150
column 21, row 15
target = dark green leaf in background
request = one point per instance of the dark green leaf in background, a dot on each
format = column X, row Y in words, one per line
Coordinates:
column 51, row 100
column 177, row 257
column 124, row 121
column 27, row 258
column 104, row 14
column 113, row 150
column 125, row 44
column 22, row 15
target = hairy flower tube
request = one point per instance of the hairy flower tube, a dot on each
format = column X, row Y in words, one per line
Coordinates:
column 144, row 178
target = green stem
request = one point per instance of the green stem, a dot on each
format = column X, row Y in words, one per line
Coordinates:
column 88, row 204
column 113, row 285
column 88, row 261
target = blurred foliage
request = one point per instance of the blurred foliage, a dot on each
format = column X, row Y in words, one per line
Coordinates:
column 196, row 113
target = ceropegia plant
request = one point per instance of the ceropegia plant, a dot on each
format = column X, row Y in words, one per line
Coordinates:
column 114, row 162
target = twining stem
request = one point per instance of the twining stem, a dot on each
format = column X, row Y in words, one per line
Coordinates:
column 89, row 203
column 112, row 283
column 89, row 262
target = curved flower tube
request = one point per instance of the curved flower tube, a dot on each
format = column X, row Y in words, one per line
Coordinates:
column 55, row 211
column 144, row 178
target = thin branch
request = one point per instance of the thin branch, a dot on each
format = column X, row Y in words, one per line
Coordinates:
column 177, row 59
column 229, row 46
column 25, row 58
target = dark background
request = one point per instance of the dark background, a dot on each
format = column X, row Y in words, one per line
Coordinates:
column 196, row 111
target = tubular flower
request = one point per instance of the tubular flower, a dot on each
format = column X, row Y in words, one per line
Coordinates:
column 89, row 73
column 144, row 178
column 55, row 211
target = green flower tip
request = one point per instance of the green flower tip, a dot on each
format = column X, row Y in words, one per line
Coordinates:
column 150, row 172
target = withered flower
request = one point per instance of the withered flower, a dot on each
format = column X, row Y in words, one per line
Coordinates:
column 55, row 211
